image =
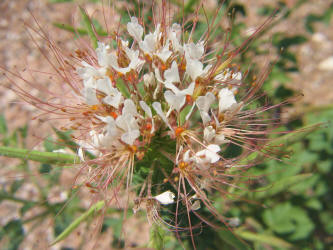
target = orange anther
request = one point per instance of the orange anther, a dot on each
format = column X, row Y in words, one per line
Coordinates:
column 182, row 165
column 179, row 130
column 94, row 107
column 188, row 98
column 148, row 126
column 89, row 185
column 163, row 67
column 113, row 114
column 133, row 148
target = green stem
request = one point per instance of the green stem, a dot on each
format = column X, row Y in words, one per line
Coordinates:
column 79, row 31
column 93, row 210
column 4, row 196
column 43, row 157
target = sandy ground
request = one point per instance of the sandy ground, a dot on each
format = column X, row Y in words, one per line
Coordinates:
column 17, row 51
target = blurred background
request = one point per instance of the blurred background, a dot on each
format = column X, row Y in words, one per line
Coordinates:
column 294, row 212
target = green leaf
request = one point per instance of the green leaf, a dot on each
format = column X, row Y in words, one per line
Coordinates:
column 15, row 186
column 281, row 185
column 305, row 185
column 290, row 41
column 50, row 145
column 285, row 218
column 45, row 168
column 122, row 88
column 327, row 221
column 13, row 233
column 66, row 139
column 233, row 240
column 43, row 157
column 157, row 235
column 314, row 204
column 92, row 211
column 89, row 27
column 3, row 125
column 264, row 238
column 26, row 207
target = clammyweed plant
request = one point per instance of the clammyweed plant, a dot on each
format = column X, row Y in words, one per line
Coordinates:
column 162, row 113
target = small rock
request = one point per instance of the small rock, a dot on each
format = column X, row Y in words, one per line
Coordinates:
column 319, row 37
column 326, row 64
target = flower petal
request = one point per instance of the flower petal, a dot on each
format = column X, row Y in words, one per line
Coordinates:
column 165, row 198
column 226, row 99
column 135, row 29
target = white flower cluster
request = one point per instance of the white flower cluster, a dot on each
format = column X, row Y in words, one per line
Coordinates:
column 175, row 75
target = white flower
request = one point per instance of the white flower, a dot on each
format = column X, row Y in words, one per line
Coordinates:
column 135, row 62
column 129, row 108
column 209, row 133
column 128, row 123
column 188, row 91
column 175, row 101
column 204, row 103
column 111, row 133
column 149, row 43
column 186, row 156
column 194, row 51
column 195, row 68
column 104, row 56
column 165, row 53
column 113, row 95
column 149, row 79
column 158, row 108
column 207, row 156
column 90, row 96
column 135, row 29
column 89, row 74
column 165, row 198
column 146, row 108
column 171, row 75
column 220, row 139
column 226, row 99
column 174, row 36
column 148, row 112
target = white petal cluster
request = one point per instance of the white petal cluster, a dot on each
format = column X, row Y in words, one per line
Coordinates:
column 165, row 198
column 176, row 74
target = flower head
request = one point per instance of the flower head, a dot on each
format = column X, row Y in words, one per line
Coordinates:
column 160, row 95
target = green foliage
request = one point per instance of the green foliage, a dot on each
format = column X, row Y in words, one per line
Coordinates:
column 324, row 17
column 12, row 234
column 287, row 219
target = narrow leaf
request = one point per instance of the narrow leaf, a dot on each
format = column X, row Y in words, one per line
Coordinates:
column 3, row 125
column 78, row 30
column 95, row 208
column 231, row 239
column 264, row 238
column 281, row 185
column 89, row 27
